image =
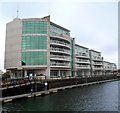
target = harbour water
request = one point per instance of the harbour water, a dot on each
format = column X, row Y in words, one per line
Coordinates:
column 99, row 97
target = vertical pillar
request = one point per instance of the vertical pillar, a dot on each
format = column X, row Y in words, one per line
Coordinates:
column 59, row 73
column 48, row 72
column 25, row 73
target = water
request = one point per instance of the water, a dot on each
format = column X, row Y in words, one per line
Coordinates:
column 100, row 97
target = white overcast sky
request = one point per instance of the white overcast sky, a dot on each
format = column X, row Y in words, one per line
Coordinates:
column 93, row 24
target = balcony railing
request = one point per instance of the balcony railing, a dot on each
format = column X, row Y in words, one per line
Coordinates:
column 83, row 66
column 82, row 55
column 97, row 58
column 59, row 49
column 97, row 63
column 97, row 68
column 83, row 61
column 59, row 56
column 60, row 42
column 59, row 64
column 107, row 68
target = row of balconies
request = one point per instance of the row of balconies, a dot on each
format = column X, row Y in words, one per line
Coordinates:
column 55, row 33
column 82, row 61
column 82, row 66
column 97, row 63
column 97, row 67
column 82, row 56
column 60, row 50
column 60, row 56
column 66, row 38
column 60, row 64
column 59, row 42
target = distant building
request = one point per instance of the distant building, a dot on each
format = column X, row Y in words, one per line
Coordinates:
column 37, row 46
column 96, row 61
column 82, row 61
column 113, row 68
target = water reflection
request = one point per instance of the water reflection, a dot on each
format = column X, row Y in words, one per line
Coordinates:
column 100, row 97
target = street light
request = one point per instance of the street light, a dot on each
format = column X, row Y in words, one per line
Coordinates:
column 46, row 85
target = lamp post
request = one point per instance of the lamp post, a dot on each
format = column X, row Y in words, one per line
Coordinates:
column 46, row 85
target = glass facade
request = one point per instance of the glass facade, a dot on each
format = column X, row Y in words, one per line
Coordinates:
column 35, row 27
column 34, row 42
column 34, row 58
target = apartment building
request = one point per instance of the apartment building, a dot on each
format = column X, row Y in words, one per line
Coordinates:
column 109, row 68
column 82, row 61
column 96, row 62
column 113, row 68
column 37, row 46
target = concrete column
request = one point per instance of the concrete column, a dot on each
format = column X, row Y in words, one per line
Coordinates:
column 25, row 73
column 68, row 73
column 59, row 73
column 48, row 72
column 75, row 73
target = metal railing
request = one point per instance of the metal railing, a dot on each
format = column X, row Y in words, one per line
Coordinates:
column 59, row 42
column 59, row 64
column 60, row 49
column 60, row 56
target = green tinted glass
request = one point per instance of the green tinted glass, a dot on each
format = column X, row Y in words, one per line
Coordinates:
column 34, row 42
column 35, row 27
column 34, row 58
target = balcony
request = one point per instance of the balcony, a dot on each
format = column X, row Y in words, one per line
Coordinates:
column 107, row 68
column 56, row 33
column 60, row 43
column 97, row 63
column 60, row 65
column 97, row 58
column 82, row 55
column 83, row 61
column 58, row 50
column 83, row 66
column 97, row 68
column 60, row 57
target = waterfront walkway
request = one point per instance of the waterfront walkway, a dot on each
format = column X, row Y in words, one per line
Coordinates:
column 50, row 91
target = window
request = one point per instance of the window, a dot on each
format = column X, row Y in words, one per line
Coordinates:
column 34, row 58
column 53, row 73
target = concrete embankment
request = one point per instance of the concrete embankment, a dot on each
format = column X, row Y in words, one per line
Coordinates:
column 39, row 85
column 50, row 91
